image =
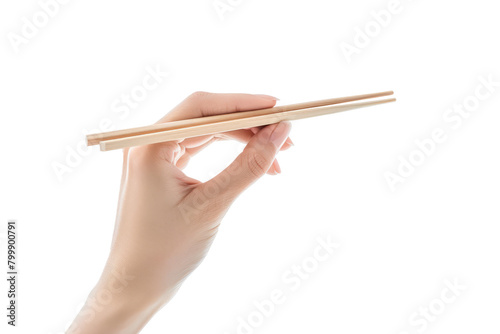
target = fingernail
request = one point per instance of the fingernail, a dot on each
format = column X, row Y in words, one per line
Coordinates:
column 289, row 142
column 277, row 167
column 267, row 97
column 280, row 134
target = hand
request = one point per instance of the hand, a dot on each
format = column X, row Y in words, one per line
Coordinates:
column 166, row 221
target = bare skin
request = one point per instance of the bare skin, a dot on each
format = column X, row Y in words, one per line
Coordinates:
column 166, row 221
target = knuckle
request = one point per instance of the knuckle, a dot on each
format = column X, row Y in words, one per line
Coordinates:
column 197, row 96
column 257, row 164
column 136, row 155
column 140, row 158
column 148, row 156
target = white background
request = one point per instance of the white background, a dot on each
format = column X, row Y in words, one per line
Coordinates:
column 397, row 247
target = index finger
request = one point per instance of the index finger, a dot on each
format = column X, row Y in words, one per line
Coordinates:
column 202, row 104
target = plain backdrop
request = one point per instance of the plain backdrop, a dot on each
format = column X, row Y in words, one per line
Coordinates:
column 397, row 248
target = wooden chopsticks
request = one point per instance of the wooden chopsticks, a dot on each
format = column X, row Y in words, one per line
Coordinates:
column 177, row 130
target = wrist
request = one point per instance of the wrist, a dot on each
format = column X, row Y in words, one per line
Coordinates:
column 111, row 312
column 119, row 303
column 114, row 306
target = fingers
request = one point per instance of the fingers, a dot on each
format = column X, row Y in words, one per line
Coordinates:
column 275, row 168
column 242, row 135
column 255, row 160
column 197, row 144
column 202, row 104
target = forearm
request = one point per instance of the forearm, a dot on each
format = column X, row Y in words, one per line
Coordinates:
column 117, row 304
column 111, row 311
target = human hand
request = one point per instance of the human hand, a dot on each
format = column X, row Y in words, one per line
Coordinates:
column 166, row 221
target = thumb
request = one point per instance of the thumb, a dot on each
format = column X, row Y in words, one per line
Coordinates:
column 251, row 164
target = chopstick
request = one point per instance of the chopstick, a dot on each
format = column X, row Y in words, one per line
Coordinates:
column 94, row 139
column 188, row 131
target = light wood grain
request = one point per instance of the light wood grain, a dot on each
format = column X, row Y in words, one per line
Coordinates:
column 94, row 139
column 230, row 125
